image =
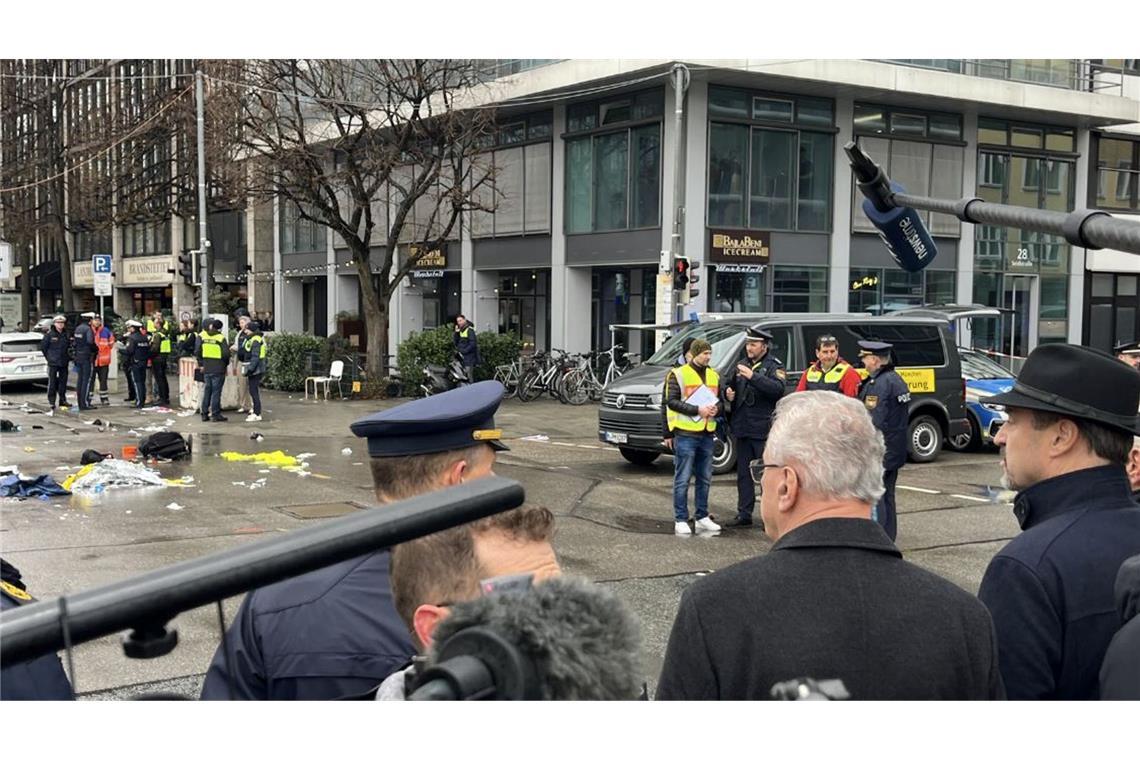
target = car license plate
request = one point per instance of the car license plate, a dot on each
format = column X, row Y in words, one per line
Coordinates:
column 31, row 367
column 616, row 437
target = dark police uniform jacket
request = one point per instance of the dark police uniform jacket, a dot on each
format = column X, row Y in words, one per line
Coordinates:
column 137, row 351
column 751, row 410
column 83, row 342
column 41, row 678
column 54, row 347
column 1120, row 672
column 1050, row 590
column 832, row 599
column 467, row 344
column 327, row 634
column 887, row 398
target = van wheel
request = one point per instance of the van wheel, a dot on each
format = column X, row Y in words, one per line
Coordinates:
column 724, row 456
column 925, row 439
column 971, row 441
column 639, row 456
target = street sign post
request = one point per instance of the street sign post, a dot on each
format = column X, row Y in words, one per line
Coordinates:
column 101, row 274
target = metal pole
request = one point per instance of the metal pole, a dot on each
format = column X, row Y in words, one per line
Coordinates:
column 677, row 241
column 203, row 241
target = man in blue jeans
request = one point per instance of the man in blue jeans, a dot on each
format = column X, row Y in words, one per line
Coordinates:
column 692, row 401
column 214, row 358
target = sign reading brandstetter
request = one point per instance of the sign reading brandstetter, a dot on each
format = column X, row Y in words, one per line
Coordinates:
column 739, row 250
column 152, row 270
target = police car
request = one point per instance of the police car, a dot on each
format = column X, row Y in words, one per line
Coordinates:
column 20, row 358
column 984, row 378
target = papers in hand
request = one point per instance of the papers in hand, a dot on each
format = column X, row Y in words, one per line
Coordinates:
column 701, row 397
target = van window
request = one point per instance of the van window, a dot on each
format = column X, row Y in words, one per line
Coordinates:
column 725, row 339
column 781, row 347
column 915, row 345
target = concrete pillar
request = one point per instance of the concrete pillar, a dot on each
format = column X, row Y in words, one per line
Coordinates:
column 279, row 316
column 330, row 283
column 485, row 301
column 260, row 248
column 467, row 295
column 696, row 185
column 839, row 248
column 966, row 242
column 562, row 312
column 1076, row 254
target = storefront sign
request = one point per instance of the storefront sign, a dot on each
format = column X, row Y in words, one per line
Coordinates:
column 739, row 247
column 740, row 268
column 424, row 274
column 433, row 259
column 152, row 270
column 82, row 275
column 865, row 282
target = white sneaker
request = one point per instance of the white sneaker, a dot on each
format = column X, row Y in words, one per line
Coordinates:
column 706, row 525
column 682, row 529
column 242, row 410
column 253, row 417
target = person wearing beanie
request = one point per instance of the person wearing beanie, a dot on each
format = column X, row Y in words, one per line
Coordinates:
column 254, row 366
column 213, row 357
column 693, row 402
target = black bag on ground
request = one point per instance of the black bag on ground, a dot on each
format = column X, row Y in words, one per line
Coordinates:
column 165, row 445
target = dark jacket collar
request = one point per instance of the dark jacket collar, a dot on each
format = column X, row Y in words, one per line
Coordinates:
column 846, row 532
column 1097, row 486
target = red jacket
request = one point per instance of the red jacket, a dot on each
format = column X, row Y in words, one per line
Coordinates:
column 105, row 342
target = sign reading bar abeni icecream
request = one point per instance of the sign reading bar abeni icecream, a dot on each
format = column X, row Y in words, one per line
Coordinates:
column 149, row 270
column 739, row 250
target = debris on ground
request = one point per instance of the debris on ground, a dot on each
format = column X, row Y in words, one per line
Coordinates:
column 304, row 456
column 172, row 505
column 29, row 450
column 7, row 426
column 113, row 473
column 187, row 413
column 276, row 458
column 346, row 451
column 91, row 456
column 256, row 437
column 358, row 464
column 42, row 486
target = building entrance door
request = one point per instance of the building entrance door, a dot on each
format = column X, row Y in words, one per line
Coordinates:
column 1018, row 296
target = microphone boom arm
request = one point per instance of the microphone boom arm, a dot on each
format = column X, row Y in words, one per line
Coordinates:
column 1084, row 227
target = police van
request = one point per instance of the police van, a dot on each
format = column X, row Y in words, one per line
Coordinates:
column 631, row 417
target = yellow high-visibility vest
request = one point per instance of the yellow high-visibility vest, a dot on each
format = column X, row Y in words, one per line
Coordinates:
column 690, row 381
column 211, row 345
column 249, row 345
column 819, row 381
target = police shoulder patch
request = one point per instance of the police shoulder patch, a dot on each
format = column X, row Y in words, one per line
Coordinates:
column 871, row 401
column 780, row 373
column 15, row 592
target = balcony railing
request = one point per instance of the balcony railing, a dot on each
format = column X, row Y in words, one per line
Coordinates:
column 1065, row 73
column 502, row 67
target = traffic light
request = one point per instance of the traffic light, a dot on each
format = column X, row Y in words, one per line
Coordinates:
column 188, row 266
column 694, row 278
column 681, row 278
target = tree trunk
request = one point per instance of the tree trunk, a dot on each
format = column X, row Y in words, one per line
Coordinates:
column 65, row 266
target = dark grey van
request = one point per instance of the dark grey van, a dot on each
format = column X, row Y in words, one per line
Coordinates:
column 631, row 418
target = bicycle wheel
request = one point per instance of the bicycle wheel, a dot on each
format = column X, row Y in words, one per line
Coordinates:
column 595, row 388
column 530, row 387
column 503, row 375
column 575, row 388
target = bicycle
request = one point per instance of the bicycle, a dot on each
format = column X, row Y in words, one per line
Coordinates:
column 544, row 375
column 510, row 375
column 581, row 383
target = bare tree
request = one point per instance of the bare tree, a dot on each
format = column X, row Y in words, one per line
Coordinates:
column 346, row 142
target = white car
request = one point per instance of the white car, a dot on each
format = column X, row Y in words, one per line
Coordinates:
column 20, row 358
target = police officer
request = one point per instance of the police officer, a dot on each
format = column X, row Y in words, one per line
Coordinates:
column 41, row 678
column 160, row 348
column 136, row 351
column 887, row 398
column 335, row 632
column 55, row 347
column 753, row 391
column 467, row 344
column 83, row 354
column 214, row 358
column 1129, row 353
column 255, row 366
column 829, row 372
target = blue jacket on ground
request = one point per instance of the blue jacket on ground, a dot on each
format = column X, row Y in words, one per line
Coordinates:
column 1050, row 590
column 327, row 634
column 887, row 398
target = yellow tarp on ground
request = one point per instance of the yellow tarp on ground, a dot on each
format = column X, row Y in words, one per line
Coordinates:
column 268, row 458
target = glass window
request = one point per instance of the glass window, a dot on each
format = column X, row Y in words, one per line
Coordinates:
column 879, row 149
column 581, row 116
column 814, row 111
column 1027, row 137
column 539, row 125
column 647, row 183
column 770, row 196
column 1060, row 140
column 939, row 287
column 945, row 126
column 799, row 289
column 1126, row 285
column 512, row 133
column 870, row 119
column 910, row 167
column 992, row 132
column 616, row 111
column 736, row 292
column 908, row 124
column 536, row 212
column 1102, row 285
column 771, row 109
column 647, row 105
column 901, row 289
column 946, row 182
column 863, row 293
column 1053, row 325
column 728, row 102
column 509, row 172
column 611, row 181
column 814, row 197
column 728, row 150
column 579, row 183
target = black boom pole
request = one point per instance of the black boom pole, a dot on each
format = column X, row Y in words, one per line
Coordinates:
column 1083, row 227
column 147, row 602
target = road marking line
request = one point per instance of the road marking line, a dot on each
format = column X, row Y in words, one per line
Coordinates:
column 561, row 443
column 915, row 488
column 584, row 446
column 969, row 498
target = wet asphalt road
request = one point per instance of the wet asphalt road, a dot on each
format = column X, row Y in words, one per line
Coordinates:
column 614, row 520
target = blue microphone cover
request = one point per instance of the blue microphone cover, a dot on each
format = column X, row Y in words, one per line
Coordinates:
column 905, row 235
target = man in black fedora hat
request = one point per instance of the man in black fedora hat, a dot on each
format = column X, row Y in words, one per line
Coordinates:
column 1072, row 418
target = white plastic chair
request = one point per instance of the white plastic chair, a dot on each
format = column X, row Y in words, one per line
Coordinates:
column 336, row 372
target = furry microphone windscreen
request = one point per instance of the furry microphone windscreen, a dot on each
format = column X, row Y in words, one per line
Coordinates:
column 583, row 642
